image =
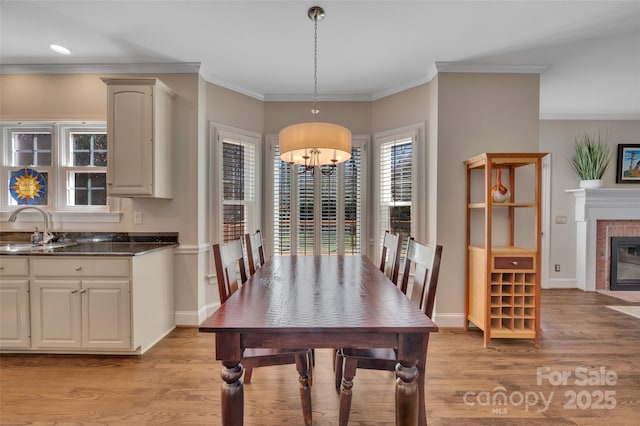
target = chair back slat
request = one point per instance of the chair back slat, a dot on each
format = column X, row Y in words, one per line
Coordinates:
column 424, row 259
column 390, row 257
column 255, row 251
column 229, row 260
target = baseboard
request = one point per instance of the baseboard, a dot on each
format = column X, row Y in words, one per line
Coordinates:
column 193, row 318
column 561, row 283
column 449, row 320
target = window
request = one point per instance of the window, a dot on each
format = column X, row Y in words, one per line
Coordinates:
column 319, row 214
column 71, row 157
column 396, row 154
column 237, row 158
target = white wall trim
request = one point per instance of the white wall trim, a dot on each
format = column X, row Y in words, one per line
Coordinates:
column 555, row 283
column 560, row 116
column 486, row 68
column 173, row 68
column 195, row 317
column 449, row 320
column 183, row 249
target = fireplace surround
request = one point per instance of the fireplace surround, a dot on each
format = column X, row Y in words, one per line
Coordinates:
column 594, row 205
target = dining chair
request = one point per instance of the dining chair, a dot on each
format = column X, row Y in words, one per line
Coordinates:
column 229, row 259
column 390, row 256
column 255, row 251
column 424, row 261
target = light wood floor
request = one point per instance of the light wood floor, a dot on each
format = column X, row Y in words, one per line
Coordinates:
column 178, row 380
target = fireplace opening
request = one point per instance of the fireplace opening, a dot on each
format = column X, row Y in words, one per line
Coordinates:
column 625, row 264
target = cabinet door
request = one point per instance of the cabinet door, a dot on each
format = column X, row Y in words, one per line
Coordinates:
column 106, row 314
column 14, row 313
column 55, row 315
column 130, row 130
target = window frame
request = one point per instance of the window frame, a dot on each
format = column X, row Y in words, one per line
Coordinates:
column 218, row 132
column 418, row 178
column 57, row 171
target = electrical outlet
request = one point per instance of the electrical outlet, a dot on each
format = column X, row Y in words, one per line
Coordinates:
column 557, row 267
column 137, row 218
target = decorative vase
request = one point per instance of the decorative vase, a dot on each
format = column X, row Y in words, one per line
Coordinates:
column 591, row 183
column 499, row 192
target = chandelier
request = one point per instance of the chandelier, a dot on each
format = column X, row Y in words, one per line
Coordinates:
column 314, row 144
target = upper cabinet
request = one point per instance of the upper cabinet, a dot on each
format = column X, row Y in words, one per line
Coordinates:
column 139, row 128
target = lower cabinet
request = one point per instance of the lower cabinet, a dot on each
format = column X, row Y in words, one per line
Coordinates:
column 91, row 314
column 14, row 303
column 76, row 304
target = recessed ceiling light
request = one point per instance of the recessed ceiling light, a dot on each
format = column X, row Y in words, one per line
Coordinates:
column 60, row 49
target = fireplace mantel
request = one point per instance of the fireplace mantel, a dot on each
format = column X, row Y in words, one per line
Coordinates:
column 593, row 205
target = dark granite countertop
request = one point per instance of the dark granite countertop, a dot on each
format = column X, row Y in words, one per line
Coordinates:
column 93, row 244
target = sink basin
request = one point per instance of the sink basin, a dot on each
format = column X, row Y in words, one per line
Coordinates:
column 19, row 247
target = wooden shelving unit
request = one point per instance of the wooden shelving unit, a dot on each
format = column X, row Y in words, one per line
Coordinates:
column 503, row 246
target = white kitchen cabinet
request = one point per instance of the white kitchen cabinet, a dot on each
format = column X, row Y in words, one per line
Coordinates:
column 81, row 302
column 14, row 302
column 86, row 304
column 139, row 132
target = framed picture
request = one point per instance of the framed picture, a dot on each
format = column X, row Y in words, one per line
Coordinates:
column 628, row 170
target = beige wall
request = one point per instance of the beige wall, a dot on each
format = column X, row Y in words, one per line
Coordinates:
column 356, row 116
column 557, row 137
column 476, row 113
column 409, row 107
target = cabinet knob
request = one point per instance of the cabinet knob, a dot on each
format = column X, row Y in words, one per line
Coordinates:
column 514, row 262
column 1, row 268
column 84, row 290
column 74, row 291
column 78, row 268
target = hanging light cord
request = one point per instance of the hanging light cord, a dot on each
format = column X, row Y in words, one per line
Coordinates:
column 315, row 110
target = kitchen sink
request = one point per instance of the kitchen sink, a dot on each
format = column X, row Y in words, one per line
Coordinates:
column 20, row 247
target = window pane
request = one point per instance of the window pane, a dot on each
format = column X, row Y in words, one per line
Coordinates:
column 82, row 158
column 89, row 149
column 396, row 188
column 88, row 189
column 234, row 223
column 329, row 229
column 352, row 189
column 305, row 214
column 31, row 149
column 282, row 205
column 239, row 183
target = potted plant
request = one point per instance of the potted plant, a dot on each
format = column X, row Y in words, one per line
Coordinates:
column 591, row 159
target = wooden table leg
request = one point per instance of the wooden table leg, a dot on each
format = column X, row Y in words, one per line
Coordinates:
column 407, row 395
column 302, row 365
column 232, row 398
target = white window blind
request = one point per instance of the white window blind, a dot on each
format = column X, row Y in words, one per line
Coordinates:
column 318, row 214
column 396, row 180
column 238, row 176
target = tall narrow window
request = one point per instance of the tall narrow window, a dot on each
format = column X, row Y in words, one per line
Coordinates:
column 319, row 214
column 237, row 163
column 396, row 186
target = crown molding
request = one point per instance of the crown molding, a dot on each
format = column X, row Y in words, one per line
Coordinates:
column 169, row 68
column 506, row 69
column 589, row 116
column 320, row 98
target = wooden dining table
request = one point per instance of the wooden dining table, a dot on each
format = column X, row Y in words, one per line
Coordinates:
column 321, row 302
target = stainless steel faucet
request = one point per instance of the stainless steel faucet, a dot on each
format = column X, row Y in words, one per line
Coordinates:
column 46, row 235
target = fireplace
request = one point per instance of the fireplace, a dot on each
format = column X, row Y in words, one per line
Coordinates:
column 615, row 209
column 625, row 263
